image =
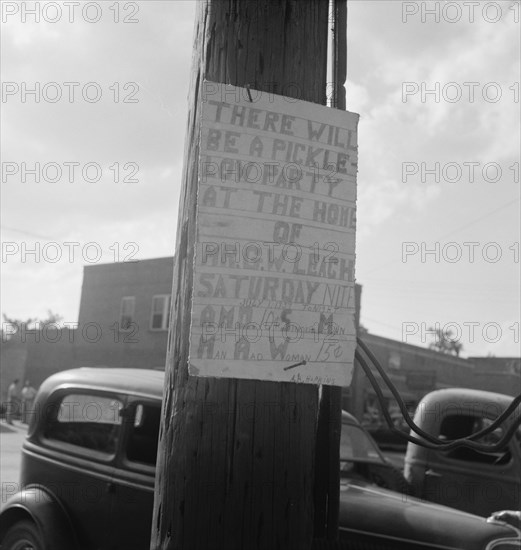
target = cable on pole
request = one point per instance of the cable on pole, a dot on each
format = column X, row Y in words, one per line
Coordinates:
column 429, row 441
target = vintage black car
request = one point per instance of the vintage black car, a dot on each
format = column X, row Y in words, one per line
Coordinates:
column 88, row 467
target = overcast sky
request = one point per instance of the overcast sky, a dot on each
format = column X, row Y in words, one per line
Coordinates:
column 465, row 126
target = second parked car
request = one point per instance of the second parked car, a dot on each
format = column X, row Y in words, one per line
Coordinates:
column 465, row 478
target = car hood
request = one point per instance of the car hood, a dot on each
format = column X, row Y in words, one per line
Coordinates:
column 368, row 508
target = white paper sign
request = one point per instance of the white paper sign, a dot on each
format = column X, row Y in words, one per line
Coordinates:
column 274, row 267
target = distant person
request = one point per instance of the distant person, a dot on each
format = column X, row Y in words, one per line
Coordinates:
column 12, row 400
column 28, row 395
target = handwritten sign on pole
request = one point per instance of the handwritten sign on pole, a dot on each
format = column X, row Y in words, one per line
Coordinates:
column 274, row 266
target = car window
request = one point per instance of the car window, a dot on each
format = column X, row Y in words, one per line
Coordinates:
column 460, row 425
column 85, row 420
column 142, row 442
column 356, row 445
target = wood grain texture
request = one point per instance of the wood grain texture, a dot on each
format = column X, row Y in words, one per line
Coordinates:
column 236, row 457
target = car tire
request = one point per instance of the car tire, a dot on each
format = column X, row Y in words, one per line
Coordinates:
column 23, row 535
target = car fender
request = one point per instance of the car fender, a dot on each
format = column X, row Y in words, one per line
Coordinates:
column 39, row 505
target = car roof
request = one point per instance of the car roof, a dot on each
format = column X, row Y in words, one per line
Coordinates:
column 120, row 379
column 144, row 382
column 466, row 398
column 126, row 380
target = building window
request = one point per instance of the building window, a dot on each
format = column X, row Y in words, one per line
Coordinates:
column 160, row 312
column 127, row 312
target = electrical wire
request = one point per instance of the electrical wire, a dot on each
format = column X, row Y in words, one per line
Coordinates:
column 455, row 230
column 403, row 408
column 439, row 445
column 429, row 441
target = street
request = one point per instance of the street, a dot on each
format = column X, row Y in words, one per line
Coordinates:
column 11, row 439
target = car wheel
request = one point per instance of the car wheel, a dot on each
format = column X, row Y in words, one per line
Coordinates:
column 23, row 535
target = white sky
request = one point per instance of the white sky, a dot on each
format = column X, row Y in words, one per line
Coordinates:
column 388, row 45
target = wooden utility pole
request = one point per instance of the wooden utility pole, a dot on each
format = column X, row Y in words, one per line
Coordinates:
column 236, row 457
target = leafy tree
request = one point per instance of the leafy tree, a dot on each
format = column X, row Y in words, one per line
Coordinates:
column 444, row 342
column 10, row 323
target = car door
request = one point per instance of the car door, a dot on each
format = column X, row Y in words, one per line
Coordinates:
column 470, row 480
column 75, row 457
column 134, row 476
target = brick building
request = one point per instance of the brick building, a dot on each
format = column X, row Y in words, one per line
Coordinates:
column 123, row 322
column 499, row 374
column 124, row 314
